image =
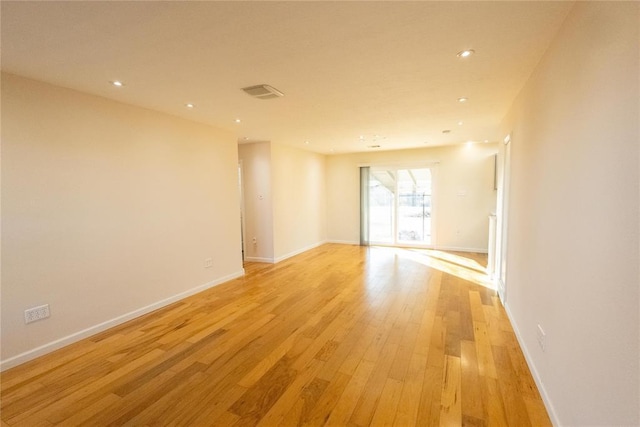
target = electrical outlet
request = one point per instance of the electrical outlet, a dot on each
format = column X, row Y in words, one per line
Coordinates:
column 208, row 263
column 540, row 335
column 254, row 241
column 36, row 313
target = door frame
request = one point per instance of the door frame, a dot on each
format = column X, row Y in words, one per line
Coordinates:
column 502, row 214
column 242, row 211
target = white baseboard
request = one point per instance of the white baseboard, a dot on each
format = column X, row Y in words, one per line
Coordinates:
column 436, row 247
column 457, row 249
column 299, row 251
column 345, row 242
column 259, row 259
column 500, row 286
column 77, row 336
column 536, row 377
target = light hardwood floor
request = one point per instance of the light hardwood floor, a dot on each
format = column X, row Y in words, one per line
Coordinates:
column 340, row 335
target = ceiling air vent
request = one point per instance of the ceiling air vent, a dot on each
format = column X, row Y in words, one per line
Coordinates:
column 263, row 92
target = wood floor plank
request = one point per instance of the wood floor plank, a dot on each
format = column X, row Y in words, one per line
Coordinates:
column 167, row 405
column 32, row 371
column 477, row 312
column 287, row 400
column 260, row 397
column 228, row 419
column 320, row 413
column 350, row 396
column 537, row 412
column 65, row 402
column 213, row 409
column 407, row 413
column 492, row 402
column 423, row 340
column 350, row 351
column 451, row 401
column 81, row 416
column 486, row 362
column 305, row 402
column 526, row 385
column 339, row 335
column 430, row 397
column 402, row 359
column 515, row 407
column 470, row 381
column 387, row 406
column 367, row 403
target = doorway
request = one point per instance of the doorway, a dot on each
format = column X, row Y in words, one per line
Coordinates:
column 400, row 206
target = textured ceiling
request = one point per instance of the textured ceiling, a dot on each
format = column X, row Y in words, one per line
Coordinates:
column 348, row 69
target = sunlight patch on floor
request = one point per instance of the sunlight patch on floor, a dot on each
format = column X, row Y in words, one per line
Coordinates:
column 459, row 266
column 455, row 259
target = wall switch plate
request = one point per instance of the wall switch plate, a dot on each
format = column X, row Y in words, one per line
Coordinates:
column 36, row 313
column 208, row 263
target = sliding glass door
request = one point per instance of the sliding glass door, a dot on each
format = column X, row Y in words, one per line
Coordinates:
column 382, row 213
column 400, row 206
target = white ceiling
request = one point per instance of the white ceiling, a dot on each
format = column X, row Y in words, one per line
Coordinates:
column 347, row 68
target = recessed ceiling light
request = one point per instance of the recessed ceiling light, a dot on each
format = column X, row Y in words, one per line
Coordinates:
column 459, row 123
column 446, row 131
column 237, row 120
column 246, row 138
column 463, row 99
column 189, row 105
column 466, row 53
column 486, row 140
column 117, row 83
column 361, row 137
column 469, row 143
column 306, row 142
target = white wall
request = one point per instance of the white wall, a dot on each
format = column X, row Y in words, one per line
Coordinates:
column 299, row 200
column 285, row 200
column 460, row 222
column 258, row 202
column 573, row 219
column 106, row 209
